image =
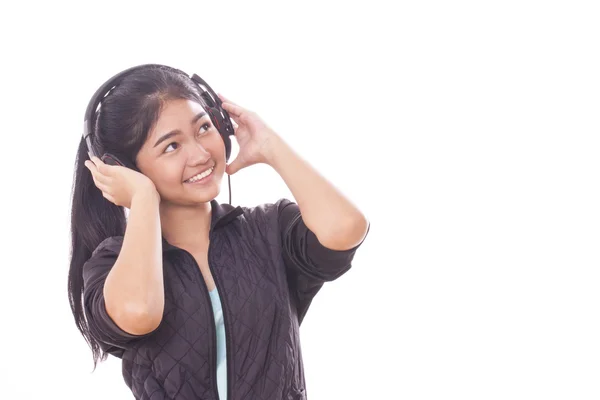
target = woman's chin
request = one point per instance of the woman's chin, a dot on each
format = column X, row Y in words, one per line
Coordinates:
column 204, row 194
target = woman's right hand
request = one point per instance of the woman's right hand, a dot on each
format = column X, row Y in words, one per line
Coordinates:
column 119, row 184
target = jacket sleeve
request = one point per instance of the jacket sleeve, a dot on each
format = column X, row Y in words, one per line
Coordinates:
column 112, row 339
column 308, row 263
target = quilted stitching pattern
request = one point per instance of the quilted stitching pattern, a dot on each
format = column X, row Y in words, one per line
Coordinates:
column 267, row 277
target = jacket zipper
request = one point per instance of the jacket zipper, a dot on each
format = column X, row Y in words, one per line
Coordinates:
column 228, row 356
column 213, row 327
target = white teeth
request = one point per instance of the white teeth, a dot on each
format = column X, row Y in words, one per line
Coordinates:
column 200, row 176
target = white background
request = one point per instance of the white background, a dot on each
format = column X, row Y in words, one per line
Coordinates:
column 466, row 131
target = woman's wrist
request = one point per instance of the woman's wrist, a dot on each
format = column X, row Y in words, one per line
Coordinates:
column 146, row 195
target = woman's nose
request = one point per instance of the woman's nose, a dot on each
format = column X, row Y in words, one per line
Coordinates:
column 198, row 154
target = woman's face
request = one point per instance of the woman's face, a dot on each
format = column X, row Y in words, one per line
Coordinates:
column 183, row 144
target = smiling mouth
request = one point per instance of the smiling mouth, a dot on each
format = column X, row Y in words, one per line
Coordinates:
column 201, row 176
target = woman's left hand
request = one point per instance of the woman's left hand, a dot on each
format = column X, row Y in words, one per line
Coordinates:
column 253, row 135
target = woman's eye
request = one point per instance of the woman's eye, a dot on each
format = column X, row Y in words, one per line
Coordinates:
column 170, row 144
column 207, row 125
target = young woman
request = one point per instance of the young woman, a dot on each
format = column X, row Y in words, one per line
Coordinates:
column 200, row 300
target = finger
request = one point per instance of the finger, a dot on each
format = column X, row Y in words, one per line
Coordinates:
column 109, row 197
column 98, row 163
column 101, row 186
column 233, row 110
column 223, row 98
column 96, row 160
column 234, row 166
column 91, row 167
column 229, row 102
column 98, row 176
column 102, row 167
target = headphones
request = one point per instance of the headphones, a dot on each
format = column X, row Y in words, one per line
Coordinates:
column 219, row 117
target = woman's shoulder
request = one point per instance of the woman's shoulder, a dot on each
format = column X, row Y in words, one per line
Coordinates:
column 268, row 208
column 110, row 244
column 271, row 216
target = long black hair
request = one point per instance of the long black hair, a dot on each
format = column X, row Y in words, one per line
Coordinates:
column 121, row 126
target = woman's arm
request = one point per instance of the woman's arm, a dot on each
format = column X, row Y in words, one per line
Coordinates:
column 336, row 222
column 134, row 289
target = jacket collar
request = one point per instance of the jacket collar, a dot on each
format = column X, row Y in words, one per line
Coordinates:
column 221, row 215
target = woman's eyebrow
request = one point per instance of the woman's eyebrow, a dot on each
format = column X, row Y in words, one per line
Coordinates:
column 176, row 132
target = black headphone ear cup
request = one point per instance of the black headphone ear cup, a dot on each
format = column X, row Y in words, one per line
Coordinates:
column 215, row 118
column 223, row 128
column 112, row 159
column 227, row 140
column 218, row 115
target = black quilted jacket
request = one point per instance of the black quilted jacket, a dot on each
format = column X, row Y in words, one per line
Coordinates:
column 267, row 267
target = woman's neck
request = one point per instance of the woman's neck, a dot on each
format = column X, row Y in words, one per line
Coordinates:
column 187, row 227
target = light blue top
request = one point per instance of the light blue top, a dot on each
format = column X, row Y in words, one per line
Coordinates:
column 221, row 359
